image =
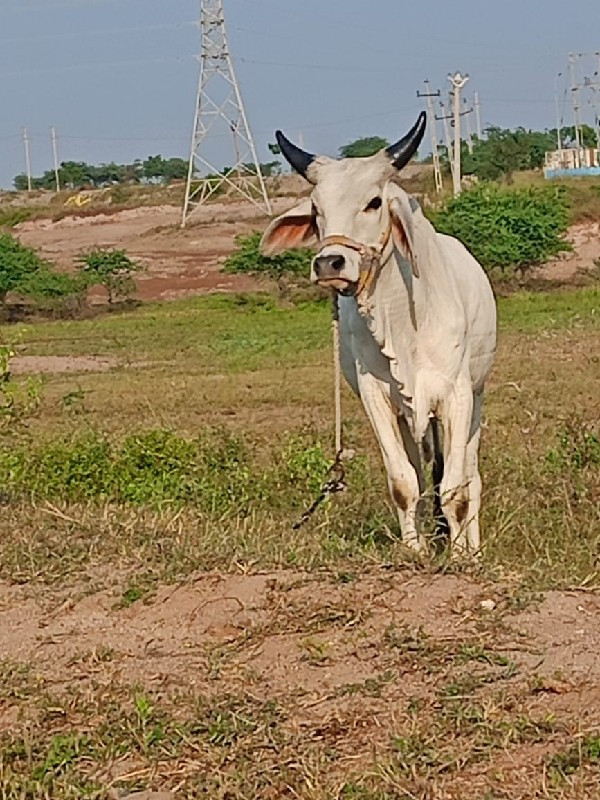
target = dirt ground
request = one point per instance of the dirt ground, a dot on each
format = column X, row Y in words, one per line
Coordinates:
column 184, row 262
column 176, row 262
column 349, row 659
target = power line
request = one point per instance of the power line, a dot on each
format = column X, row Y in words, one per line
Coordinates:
column 97, row 65
column 96, row 32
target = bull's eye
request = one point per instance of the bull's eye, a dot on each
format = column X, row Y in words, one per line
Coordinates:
column 374, row 204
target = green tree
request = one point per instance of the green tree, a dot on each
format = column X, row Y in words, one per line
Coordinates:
column 157, row 168
column 567, row 135
column 506, row 151
column 175, row 169
column 360, row 148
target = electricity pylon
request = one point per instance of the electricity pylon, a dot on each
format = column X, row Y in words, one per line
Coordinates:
column 220, row 111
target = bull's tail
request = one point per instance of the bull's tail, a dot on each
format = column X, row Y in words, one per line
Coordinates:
column 442, row 529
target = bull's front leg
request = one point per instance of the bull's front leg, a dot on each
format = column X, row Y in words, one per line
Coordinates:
column 404, row 479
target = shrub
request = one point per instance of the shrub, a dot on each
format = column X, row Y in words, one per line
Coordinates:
column 112, row 269
column 23, row 271
column 507, row 228
column 18, row 264
column 247, row 258
column 215, row 472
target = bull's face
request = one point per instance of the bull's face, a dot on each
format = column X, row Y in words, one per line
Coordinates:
column 355, row 209
column 348, row 202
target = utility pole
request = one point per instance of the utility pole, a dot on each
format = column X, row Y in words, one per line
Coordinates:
column 575, row 98
column 437, row 171
column 598, row 106
column 219, row 109
column 55, row 155
column 449, row 149
column 477, row 113
column 27, row 158
column 458, row 81
column 467, row 113
column 558, row 122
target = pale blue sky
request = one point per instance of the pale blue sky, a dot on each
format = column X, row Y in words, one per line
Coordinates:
column 118, row 79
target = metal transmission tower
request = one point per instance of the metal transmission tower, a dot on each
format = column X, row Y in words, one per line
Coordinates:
column 220, row 110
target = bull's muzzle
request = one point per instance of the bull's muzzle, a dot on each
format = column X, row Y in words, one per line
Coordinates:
column 328, row 267
column 328, row 271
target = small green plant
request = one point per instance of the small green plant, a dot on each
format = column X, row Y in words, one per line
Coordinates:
column 112, row 269
column 507, row 228
column 19, row 400
column 578, row 447
column 247, row 258
column 585, row 751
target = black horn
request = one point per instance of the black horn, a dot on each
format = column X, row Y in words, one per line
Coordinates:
column 402, row 152
column 299, row 159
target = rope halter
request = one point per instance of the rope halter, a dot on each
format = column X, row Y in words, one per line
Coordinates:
column 370, row 255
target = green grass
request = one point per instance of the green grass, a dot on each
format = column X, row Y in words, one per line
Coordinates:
column 531, row 312
column 219, row 333
column 224, row 333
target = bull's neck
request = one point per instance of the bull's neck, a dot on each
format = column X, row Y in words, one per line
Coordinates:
column 396, row 290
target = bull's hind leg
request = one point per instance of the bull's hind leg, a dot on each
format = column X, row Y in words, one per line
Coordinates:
column 473, row 477
column 457, row 415
column 404, row 479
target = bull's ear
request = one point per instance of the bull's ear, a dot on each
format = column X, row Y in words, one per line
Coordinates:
column 402, row 209
column 296, row 228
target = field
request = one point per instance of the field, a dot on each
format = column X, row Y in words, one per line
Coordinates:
column 162, row 627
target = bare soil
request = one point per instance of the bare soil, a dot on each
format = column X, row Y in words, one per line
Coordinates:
column 348, row 658
column 176, row 262
column 568, row 266
column 25, row 365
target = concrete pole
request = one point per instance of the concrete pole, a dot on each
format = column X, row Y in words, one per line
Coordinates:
column 469, row 133
column 477, row 114
column 449, row 148
column 27, row 158
column 575, row 98
column 558, row 126
column 55, row 155
column 437, row 170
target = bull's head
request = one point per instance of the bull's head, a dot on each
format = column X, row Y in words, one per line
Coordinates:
column 355, row 212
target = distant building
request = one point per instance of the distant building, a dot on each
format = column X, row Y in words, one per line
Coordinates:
column 572, row 163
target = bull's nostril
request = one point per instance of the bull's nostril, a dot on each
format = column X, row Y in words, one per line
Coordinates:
column 337, row 262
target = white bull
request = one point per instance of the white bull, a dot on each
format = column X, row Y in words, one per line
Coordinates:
column 417, row 325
